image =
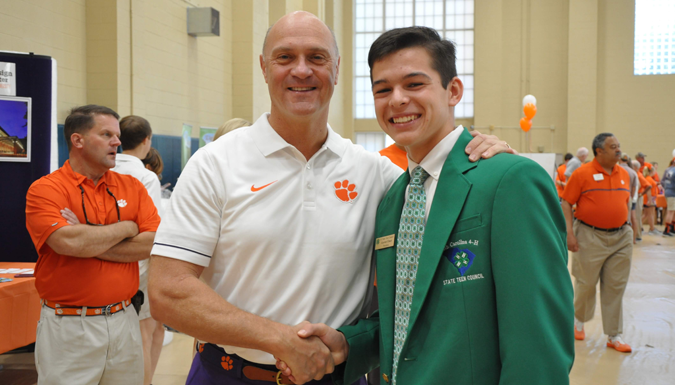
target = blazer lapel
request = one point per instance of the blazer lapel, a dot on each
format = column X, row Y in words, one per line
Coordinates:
column 451, row 192
column 388, row 218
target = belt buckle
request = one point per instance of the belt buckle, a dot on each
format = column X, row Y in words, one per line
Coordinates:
column 279, row 378
column 107, row 310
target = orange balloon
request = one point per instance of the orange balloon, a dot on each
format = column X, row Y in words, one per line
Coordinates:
column 525, row 124
column 530, row 110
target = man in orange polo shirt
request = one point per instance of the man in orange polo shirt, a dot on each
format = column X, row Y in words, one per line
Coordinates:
column 90, row 227
column 600, row 240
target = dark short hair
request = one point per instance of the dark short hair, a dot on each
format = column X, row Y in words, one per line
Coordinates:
column 442, row 52
column 599, row 141
column 569, row 156
column 134, row 129
column 81, row 120
column 154, row 159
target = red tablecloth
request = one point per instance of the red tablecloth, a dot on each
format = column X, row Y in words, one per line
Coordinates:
column 19, row 309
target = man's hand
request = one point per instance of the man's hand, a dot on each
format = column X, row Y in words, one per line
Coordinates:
column 333, row 339
column 486, row 146
column 70, row 216
column 572, row 244
column 307, row 358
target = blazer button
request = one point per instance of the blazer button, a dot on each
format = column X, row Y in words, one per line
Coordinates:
column 385, row 377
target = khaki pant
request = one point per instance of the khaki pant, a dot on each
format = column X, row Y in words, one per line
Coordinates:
column 605, row 257
column 89, row 350
column 638, row 214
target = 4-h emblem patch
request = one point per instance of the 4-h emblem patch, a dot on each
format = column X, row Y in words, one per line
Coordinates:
column 462, row 259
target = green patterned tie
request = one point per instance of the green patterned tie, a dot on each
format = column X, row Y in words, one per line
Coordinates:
column 408, row 247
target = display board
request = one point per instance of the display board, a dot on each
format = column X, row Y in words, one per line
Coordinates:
column 35, row 79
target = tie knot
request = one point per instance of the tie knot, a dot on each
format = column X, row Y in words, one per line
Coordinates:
column 419, row 176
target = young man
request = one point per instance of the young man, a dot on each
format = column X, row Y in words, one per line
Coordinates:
column 600, row 239
column 471, row 261
column 136, row 138
column 90, row 227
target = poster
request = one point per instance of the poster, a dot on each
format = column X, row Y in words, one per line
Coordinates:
column 15, row 129
column 206, row 135
column 7, row 79
column 185, row 145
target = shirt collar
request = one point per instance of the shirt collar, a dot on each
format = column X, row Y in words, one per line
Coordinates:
column 435, row 159
column 599, row 168
column 126, row 158
column 77, row 179
column 269, row 141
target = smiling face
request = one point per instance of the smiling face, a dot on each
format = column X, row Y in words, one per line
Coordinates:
column 99, row 144
column 411, row 104
column 300, row 65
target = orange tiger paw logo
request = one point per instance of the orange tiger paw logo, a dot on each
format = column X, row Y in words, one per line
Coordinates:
column 345, row 191
column 201, row 348
column 227, row 362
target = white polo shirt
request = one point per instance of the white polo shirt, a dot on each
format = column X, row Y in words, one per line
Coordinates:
column 131, row 165
column 279, row 236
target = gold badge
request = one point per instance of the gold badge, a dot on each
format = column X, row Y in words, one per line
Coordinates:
column 384, row 242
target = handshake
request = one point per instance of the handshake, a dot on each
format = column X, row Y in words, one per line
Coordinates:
column 312, row 352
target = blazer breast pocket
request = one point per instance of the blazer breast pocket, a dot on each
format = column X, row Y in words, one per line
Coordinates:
column 469, row 223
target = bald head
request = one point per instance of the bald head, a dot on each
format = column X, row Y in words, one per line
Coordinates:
column 293, row 21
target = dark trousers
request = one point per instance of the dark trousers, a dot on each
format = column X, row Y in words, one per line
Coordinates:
column 212, row 366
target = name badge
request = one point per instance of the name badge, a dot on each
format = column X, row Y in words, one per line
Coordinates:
column 598, row 177
column 384, row 242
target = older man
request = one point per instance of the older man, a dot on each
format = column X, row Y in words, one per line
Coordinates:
column 278, row 220
column 600, row 239
column 576, row 161
column 90, row 226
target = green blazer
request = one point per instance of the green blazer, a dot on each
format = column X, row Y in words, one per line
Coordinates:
column 493, row 297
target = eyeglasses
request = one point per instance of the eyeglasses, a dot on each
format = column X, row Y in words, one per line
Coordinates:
column 117, row 207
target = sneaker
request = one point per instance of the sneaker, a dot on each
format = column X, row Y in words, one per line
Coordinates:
column 654, row 232
column 669, row 234
column 617, row 344
column 579, row 333
column 638, row 239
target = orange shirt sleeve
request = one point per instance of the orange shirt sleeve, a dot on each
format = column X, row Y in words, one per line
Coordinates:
column 573, row 187
column 44, row 203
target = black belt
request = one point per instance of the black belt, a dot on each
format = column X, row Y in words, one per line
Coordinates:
column 601, row 229
column 235, row 366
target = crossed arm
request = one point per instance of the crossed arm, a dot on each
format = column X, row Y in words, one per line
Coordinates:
column 117, row 242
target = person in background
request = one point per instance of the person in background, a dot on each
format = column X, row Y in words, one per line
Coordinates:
column 600, row 239
column 649, row 213
column 668, row 183
column 560, row 178
column 396, row 155
column 230, row 125
column 640, row 157
column 632, row 220
column 643, row 188
column 136, row 138
column 153, row 162
column 90, row 227
column 576, row 161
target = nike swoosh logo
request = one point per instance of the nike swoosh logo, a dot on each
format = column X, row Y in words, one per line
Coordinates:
column 254, row 189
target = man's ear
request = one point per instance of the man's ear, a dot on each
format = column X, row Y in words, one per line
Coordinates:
column 77, row 140
column 455, row 91
column 262, row 67
column 337, row 71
